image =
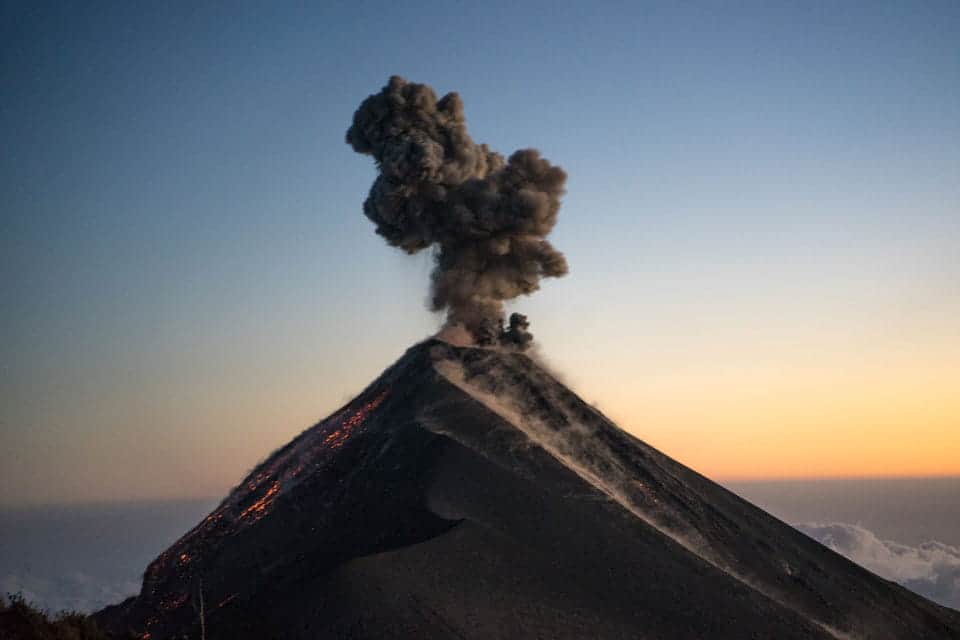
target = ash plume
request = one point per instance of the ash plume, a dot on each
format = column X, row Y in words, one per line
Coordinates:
column 485, row 217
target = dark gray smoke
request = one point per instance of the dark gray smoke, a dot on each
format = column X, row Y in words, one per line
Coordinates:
column 485, row 217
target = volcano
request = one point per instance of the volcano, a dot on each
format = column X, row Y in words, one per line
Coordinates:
column 466, row 493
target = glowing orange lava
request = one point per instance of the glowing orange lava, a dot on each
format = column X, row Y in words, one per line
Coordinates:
column 337, row 438
column 261, row 507
column 168, row 574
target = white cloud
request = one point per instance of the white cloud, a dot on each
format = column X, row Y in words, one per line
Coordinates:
column 74, row 592
column 931, row 569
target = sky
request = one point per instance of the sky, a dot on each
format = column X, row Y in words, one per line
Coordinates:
column 762, row 224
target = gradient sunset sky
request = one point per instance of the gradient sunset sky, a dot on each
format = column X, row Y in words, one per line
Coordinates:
column 762, row 225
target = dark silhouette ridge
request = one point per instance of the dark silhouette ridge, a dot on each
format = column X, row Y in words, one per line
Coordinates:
column 468, row 494
column 21, row 620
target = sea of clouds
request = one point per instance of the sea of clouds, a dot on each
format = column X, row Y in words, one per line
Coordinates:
column 84, row 557
column 931, row 569
column 74, row 591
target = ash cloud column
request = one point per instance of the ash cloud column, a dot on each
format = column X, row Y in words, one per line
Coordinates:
column 485, row 218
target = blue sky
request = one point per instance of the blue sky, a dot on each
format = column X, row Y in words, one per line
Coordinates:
column 770, row 186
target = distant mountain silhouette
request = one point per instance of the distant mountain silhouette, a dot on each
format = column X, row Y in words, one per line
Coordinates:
column 468, row 494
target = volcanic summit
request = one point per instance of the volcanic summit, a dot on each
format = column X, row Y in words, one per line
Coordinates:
column 466, row 493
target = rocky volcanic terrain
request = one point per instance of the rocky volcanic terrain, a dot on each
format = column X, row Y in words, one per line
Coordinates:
column 468, row 494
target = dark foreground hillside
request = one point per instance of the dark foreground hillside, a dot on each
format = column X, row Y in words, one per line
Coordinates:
column 20, row 620
column 468, row 494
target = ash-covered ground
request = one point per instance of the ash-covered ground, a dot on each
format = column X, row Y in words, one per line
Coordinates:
column 468, row 494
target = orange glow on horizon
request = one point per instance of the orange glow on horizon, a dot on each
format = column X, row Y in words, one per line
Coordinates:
column 870, row 417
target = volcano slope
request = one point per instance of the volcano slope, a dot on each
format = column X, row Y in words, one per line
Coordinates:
column 466, row 493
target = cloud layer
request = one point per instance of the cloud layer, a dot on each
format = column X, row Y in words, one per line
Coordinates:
column 931, row 569
column 73, row 592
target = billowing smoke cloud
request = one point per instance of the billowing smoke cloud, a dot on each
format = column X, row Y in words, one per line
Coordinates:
column 931, row 569
column 485, row 217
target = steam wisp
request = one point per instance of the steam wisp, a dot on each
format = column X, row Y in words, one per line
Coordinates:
column 486, row 218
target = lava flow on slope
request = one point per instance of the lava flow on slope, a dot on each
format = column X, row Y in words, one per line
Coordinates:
column 175, row 578
column 467, row 494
